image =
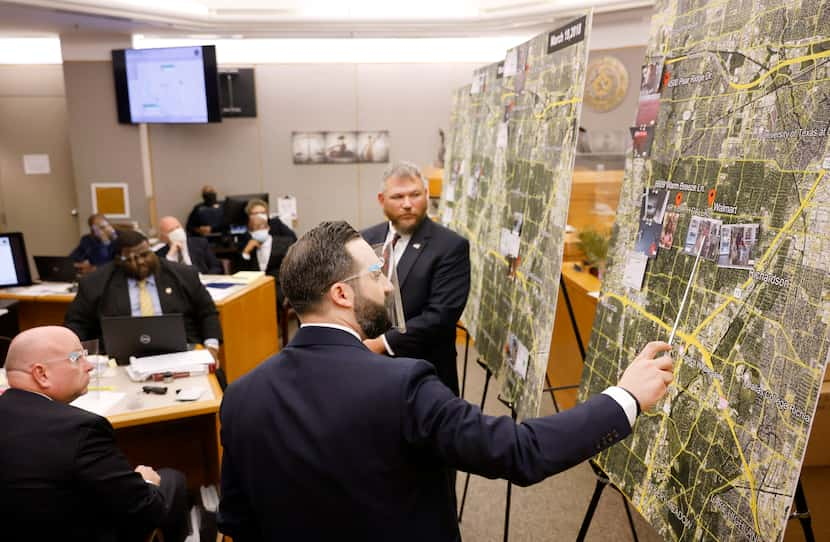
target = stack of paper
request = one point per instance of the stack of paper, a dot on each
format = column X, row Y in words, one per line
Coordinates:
column 192, row 362
column 247, row 276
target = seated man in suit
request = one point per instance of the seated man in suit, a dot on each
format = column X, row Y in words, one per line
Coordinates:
column 433, row 265
column 275, row 225
column 178, row 247
column 264, row 251
column 96, row 248
column 62, row 476
column 138, row 283
column 207, row 217
column 328, row 429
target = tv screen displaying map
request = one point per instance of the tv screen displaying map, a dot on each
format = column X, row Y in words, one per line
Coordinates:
column 169, row 85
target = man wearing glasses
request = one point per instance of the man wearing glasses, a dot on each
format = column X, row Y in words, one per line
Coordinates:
column 328, row 440
column 62, row 477
column 138, row 283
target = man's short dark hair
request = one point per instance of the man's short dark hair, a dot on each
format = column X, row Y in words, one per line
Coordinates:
column 315, row 262
column 128, row 239
column 93, row 217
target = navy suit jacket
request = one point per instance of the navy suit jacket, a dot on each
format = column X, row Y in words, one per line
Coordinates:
column 202, row 257
column 328, row 441
column 434, row 276
column 93, row 250
column 104, row 292
column 62, row 477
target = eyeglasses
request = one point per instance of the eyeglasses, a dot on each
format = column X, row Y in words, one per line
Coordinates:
column 376, row 270
column 74, row 358
column 135, row 257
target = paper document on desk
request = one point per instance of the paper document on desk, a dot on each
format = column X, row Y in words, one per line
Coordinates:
column 247, row 276
column 98, row 402
column 176, row 362
column 44, row 288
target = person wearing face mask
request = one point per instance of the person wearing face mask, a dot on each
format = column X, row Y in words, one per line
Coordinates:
column 96, row 248
column 328, row 429
column 138, row 283
column 178, row 247
column 207, row 217
column 264, row 251
column 275, row 225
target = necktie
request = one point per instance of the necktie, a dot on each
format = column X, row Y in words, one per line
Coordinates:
column 145, row 302
column 180, row 255
column 389, row 252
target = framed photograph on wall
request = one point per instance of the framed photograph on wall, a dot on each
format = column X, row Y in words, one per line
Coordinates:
column 111, row 199
column 373, row 147
column 341, row 147
column 308, row 147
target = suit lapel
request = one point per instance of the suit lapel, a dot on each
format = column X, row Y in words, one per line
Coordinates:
column 121, row 297
column 417, row 244
column 166, row 289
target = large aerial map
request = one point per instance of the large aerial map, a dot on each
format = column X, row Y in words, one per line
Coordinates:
column 729, row 168
column 508, row 182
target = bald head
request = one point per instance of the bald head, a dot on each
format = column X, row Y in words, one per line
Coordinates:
column 38, row 360
column 168, row 224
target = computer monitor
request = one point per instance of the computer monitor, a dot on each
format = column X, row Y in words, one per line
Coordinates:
column 14, row 265
column 235, row 217
column 56, row 268
column 126, row 336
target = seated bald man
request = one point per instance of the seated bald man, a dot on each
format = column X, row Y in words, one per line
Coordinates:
column 62, row 477
column 184, row 249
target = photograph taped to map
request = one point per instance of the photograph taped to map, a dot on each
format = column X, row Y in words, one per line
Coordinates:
column 737, row 244
column 648, row 110
column 670, row 221
column 641, row 140
column 648, row 238
column 652, row 75
column 517, row 356
column 635, row 270
column 654, row 204
column 706, row 231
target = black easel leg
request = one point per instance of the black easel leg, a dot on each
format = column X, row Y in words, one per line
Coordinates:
column 467, row 475
column 466, row 354
column 630, row 519
column 802, row 513
column 549, row 388
column 509, row 488
column 589, row 514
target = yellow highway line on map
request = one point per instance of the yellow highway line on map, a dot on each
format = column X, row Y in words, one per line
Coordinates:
column 556, row 104
column 768, row 252
column 707, row 359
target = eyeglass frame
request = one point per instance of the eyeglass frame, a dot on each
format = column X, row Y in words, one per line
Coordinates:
column 135, row 257
column 73, row 357
column 376, row 267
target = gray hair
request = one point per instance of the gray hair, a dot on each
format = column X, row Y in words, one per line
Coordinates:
column 401, row 169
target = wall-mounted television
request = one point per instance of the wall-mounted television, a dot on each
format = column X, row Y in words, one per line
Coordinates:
column 172, row 85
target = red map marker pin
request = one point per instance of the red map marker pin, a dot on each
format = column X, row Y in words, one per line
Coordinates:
column 678, row 199
column 666, row 78
column 712, row 194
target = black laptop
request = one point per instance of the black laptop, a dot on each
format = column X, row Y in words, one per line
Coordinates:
column 56, row 268
column 126, row 336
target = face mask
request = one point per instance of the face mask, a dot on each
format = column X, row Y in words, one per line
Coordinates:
column 209, row 198
column 177, row 236
column 260, row 236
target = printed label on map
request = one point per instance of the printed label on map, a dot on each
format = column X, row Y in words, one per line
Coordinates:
column 567, row 35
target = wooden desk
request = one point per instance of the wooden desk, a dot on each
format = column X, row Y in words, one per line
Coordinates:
column 564, row 361
column 248, row 317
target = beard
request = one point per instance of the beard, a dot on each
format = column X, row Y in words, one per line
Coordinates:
column 372, row 317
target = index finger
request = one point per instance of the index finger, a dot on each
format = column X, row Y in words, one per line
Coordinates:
column 653, row 348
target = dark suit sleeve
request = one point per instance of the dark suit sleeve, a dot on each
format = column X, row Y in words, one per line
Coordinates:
column 82, row 314
column 448, row 295
column 103, row 471
column 204, row 309
column 82, row 251
column 496, row 447
column 235, row 516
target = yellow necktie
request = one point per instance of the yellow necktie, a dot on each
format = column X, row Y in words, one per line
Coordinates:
column 145, row 302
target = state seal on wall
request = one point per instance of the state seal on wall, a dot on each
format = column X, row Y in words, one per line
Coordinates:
column 606, row 84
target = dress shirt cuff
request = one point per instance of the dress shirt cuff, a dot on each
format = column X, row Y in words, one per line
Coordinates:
column 626, row 401
column 386, row 345
column 246, row 256
column 212, row 343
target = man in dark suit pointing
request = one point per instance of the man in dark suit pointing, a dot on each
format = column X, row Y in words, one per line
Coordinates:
column 433, row 265
column 327, row 440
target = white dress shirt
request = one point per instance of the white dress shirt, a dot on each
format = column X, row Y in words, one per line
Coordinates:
column 185, row 255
